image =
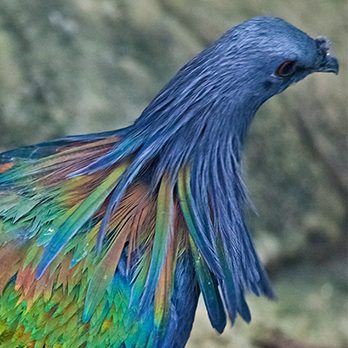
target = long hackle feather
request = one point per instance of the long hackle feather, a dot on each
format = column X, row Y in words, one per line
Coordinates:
column 95, row 244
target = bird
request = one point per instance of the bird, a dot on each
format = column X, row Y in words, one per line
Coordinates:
column 108, row 239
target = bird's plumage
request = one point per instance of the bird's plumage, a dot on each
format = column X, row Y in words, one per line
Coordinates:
column 106, row 240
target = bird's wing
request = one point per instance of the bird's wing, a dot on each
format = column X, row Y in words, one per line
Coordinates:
column 57, row 282
column 54, row 283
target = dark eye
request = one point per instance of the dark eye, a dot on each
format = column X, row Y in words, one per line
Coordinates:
column 286, row 69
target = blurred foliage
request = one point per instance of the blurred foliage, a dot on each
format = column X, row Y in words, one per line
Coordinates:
column 75, row 66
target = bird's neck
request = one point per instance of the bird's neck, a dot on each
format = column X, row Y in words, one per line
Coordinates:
column 180, row 127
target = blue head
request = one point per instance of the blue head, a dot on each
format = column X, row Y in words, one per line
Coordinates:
column 265, row 55
column 260, row 58
column 228, row 81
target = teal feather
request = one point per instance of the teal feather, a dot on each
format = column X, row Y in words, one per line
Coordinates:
column 210, row 290
column 75, row 218
column 162, row 238
column 103, row 275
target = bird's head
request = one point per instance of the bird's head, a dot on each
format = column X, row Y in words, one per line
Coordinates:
column 263, row 56
column 219, row 91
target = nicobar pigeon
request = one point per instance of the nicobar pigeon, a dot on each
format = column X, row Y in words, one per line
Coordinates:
column 107, row 240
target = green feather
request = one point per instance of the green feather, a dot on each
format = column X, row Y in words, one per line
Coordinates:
column 103, row 275
column 69, row 224
column 210, row 291
column 162, row 237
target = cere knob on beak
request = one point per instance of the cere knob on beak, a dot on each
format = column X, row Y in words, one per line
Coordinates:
column 326, row 63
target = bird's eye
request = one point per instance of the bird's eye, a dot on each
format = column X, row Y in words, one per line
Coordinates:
column 286, row 69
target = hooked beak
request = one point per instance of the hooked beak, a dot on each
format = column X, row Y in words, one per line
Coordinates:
column 330, row 64
column 327, row 63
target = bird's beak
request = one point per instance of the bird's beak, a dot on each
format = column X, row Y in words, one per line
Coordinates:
column 329, row 64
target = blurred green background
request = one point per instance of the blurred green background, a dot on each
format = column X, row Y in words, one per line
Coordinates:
column 76, row 66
